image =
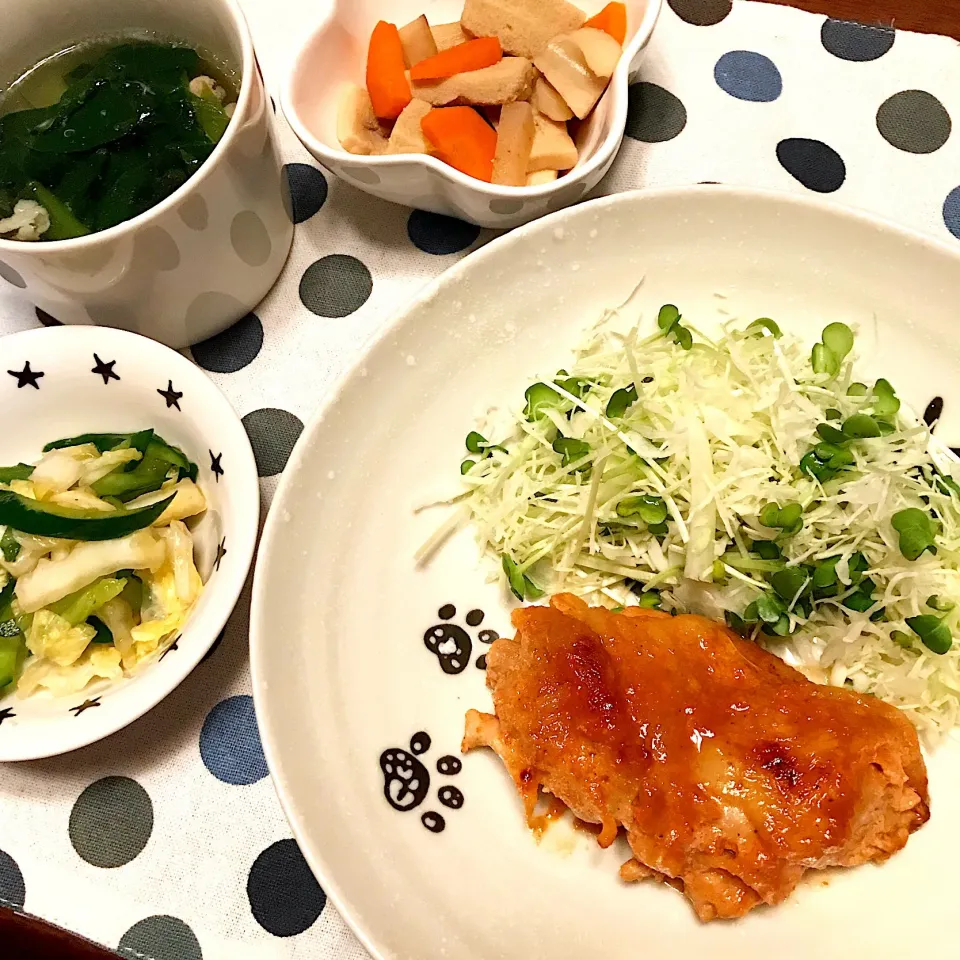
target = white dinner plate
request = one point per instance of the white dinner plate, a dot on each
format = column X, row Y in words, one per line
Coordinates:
column 345, row 684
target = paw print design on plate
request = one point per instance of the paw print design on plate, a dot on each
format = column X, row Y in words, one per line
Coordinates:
column 406, row 780
column 452, row 645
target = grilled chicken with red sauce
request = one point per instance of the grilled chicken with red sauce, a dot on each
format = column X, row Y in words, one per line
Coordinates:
column 731, row 773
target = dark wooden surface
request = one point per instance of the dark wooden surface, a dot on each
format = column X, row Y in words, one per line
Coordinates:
column 24, row 938
column 924, row 16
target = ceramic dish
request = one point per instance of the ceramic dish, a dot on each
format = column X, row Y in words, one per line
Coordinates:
column 356, row 679
column 335, row 54
column 65, row 381
column 206, row 255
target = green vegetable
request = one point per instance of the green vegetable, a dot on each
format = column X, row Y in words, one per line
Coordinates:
column 149, row 475
column 125, row 133
column 837, row 342
column 790, row 582
column 476, row 442
column 650, row 600
column 788, row 518
column 9, row 546
column 886, row 403
column 832, row 413
column 210, row 115
column 861, row 427
column 861, row 599
column 13, row 649
column 63, row 224
column 838, row 339
column 522, row 587
column 133, row 590
column 620, row 401
column 540, row 397
column 932, row 631
column 652, row 510
column 825, row 574
column 20, row 471
column 78, row 607
column 668, row 317
column 102, row 441
column 466, row 466
column 832, row 435
column 766, row 549
column 103, row 634
column 762, row 326
column 857, row 389
column 916, row 532
column 572, row 450
column 50, row 520
column 935, row 602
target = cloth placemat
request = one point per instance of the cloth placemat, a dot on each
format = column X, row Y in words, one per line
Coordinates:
column 166, row 840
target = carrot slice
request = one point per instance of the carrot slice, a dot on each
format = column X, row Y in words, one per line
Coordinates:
column 611, row 19
column 462, row 138
column 464, row 57
column 386, row 81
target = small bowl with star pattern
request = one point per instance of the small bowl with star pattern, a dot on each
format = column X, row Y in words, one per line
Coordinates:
column 62, row 382
column 323, row 100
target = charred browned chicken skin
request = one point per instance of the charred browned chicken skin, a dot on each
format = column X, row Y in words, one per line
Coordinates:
column 731, row 773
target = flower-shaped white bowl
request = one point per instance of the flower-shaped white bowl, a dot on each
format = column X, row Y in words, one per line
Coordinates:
column 63, row 381
column 335, row 55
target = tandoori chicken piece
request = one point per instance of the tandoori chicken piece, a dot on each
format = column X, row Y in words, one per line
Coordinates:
column 731, row 773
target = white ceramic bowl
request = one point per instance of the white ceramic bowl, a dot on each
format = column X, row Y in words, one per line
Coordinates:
column 335, row 55
column 69, row 398
column 206, row 255
column 354, row 674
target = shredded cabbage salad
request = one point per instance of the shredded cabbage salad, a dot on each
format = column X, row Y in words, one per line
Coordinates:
column 746, row 478
column 92, row 606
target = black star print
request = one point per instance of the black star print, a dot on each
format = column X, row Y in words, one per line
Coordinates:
column 86, row 705
column 216, row 466
column 105, row 369
column 5, row 714
column 27, row 376
column 171, row 396
column 221, row 552
column 173, row 646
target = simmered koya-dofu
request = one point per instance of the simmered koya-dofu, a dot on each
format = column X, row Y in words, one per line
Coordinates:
column 492, row 95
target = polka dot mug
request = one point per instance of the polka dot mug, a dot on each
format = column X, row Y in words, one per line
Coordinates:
column 206, row 255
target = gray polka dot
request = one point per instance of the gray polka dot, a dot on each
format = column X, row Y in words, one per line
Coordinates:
column 193, row 212
column 250, row 238
column 112, row 315
column 285, row 898
column 914, row 121
column 46, row 319
column 857, row 42
column 304, row 190
column 13, row 891
column 505, row 206
column 360, row 174
column 155, row 246
column 11, row 276
column 160, row 938
column 233, row 349
column 654, row 114
column 213, row 309
column 335, row 286
column 273, row 434
column 566, row 197
column 111, row 822
column 701, row 13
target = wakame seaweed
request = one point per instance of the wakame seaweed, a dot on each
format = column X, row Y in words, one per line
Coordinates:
column 124, row 135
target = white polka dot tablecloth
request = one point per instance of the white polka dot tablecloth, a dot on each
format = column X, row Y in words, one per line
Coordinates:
column 166, row 841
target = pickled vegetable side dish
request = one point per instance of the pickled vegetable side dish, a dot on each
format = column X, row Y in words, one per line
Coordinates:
column 101, row 133
column 97, row 571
